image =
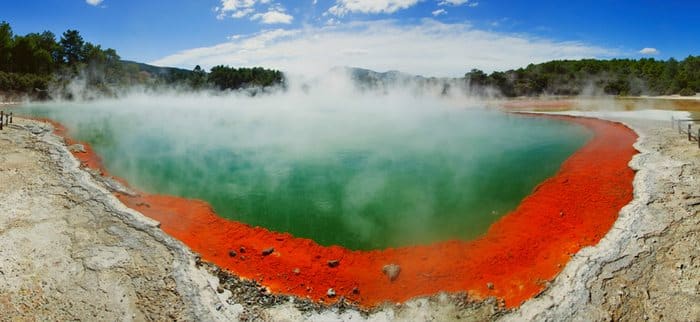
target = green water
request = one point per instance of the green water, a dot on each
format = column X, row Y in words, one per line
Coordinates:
column 363, row 178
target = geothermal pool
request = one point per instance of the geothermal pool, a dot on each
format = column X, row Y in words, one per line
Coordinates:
column 368, row 174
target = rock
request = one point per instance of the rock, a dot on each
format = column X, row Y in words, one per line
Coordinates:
column 242, row 249
column 116, row 186
column 391, row 271
column 331, row 292
column 355, row 290
column 36, row 130
column 77, row 148
column 232, row 253
column 268, row 251
column 333, row 263
column 296, row 271
column 489, row 285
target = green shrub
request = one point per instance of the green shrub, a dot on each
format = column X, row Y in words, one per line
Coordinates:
column 687, row 92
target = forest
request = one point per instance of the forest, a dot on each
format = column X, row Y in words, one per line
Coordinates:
column 623, row 77
column 41, row 66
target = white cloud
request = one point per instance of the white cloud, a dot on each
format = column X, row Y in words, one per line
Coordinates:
column 452, row 2
column 343, row 7
column 439, row 12
column 273, row 17
column 94, row 2
column 242, row 12
column 649, row 51
column 457, row 3
column 233, row 5
column 430, row 48
column 238, row 8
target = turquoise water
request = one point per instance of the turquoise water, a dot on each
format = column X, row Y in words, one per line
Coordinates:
column 362, row 177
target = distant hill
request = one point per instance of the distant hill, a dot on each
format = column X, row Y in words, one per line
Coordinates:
column 369, row 80
column 157, row 71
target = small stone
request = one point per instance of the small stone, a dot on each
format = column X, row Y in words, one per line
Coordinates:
column 242, row 249
column 489, row 285
column 333, row 263
column 232, row 253
column 331, row 292
column 219, row 289
column 242, row 258
column 268, row 251
column 355, row 290
column 77, row 148
column 391, row 271
column 296, row 271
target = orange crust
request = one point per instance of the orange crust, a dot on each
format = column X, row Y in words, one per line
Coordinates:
column 512, row 261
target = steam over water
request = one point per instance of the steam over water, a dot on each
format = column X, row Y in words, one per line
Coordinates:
column 362, row 171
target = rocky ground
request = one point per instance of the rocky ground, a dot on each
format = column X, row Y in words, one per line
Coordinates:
column 71, row 251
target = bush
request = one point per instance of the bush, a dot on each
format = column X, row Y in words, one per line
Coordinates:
column 687, row 92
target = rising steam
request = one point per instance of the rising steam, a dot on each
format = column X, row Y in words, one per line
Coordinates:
column 402, row 161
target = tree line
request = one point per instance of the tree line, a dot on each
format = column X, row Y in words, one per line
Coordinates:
column 39, row 63
column 591, row 76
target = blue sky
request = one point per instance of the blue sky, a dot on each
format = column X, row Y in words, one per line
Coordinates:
column 436, row 37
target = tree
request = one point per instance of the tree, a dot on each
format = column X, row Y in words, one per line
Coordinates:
column 93, row 55
column 225, row 77
column 28, row 57
column 72, row 47
column 199, row 77
column 5, row 45
column 476, row 77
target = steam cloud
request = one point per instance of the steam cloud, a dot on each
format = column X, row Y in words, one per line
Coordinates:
column 237, row 150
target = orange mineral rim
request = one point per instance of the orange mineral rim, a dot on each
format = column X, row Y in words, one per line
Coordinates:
column 512, row 262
